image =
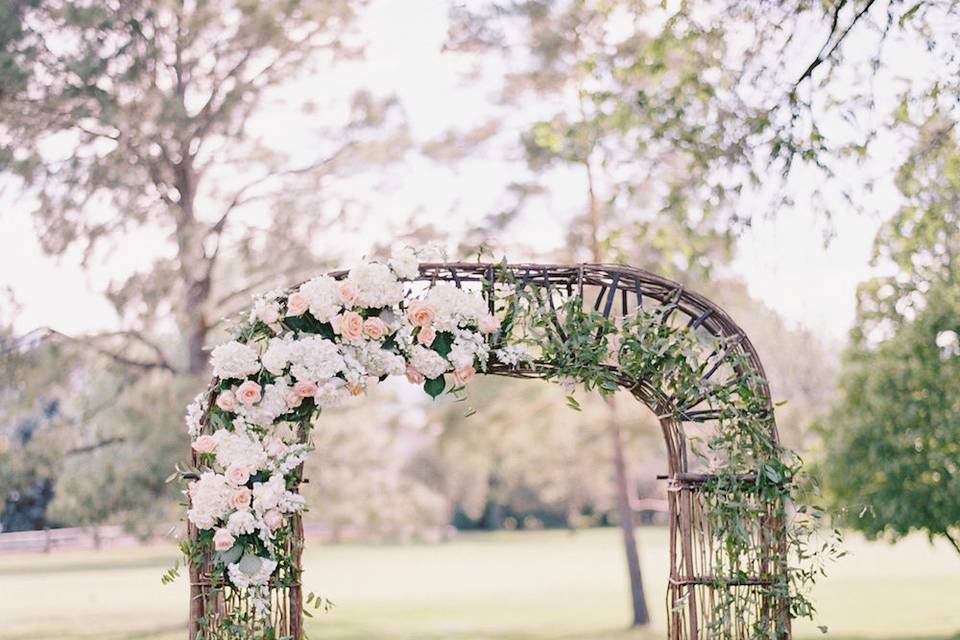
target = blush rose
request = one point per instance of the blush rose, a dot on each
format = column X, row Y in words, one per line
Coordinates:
column 248, row 392
column 421, row 313
column 297, row 304
column 223, row 540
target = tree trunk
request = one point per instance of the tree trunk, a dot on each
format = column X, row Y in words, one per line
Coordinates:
column 638, row 600
column 622, row 477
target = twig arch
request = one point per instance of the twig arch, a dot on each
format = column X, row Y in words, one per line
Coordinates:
column 749, row 596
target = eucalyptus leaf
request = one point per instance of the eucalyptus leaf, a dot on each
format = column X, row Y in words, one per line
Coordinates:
column 250, row 564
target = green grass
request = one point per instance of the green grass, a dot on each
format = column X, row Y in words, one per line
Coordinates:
column 509, row 586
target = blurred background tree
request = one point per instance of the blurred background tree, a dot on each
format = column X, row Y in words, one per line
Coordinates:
column 671, row 125
column 892, row 441
column 130, row 119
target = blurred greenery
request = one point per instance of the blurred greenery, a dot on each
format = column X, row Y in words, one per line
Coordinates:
column 892, row 441
column 671, row 124
column 513, row 586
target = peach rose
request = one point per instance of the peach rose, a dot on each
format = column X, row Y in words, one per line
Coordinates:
column 465, row 375
column 227, row 401
column 273, row 519
column 297, row 304
column 374, row 328
column 275, row 447
column 241, row 498
column 426, row 336
column 192, row 489
column 305, row 388
column 348, row 292
column 421, row 313
column 223, row 540
column 414, row 376
column 356, row 388
column 237, row 476
column 269, row 313
column 292, row 399
column 248, row 392
column 205, row 444
column 350, row 325
column 489, row 324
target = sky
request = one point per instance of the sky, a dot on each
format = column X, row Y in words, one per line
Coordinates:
column 784, row 260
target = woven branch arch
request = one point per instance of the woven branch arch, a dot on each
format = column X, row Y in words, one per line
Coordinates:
column 749, row 596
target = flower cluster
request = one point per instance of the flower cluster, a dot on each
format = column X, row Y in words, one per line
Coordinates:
column 301, row 351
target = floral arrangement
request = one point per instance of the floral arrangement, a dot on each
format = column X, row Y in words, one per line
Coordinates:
column 307, row 349
column 299, row 352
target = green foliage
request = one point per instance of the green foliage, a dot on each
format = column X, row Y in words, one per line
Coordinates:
column 435, row 386
column 681, row 372
column 919, row 246
column 892, row 444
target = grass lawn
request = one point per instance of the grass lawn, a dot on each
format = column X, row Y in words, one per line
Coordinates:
column 510, row 586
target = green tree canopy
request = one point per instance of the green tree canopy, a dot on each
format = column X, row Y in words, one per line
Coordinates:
column 893, row 442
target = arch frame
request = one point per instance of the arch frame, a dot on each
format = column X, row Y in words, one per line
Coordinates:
column 615, row 292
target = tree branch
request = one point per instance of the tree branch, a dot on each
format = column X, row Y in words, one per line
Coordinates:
column 239, row 199
column 258, row 284
column 87, row 342
column 830, row 45
column 96, row 445
column 952, row 540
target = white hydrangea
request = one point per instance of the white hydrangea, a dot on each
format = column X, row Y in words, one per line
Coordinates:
column 466, row 345
column 455, row 306
column 276, row 357
column 376, row 361
column 427, row 361
column 243, row 580
column 513, row 354
column 195, row 411
column 331, row 393
column 273, row 494
column 376, row 284
column 241, row 522
column 272, row 405
column 234, row 360
column 353, row 368
column 295, row 455
column 240, row 449
column 209, row 500
column 405, row 264
column 315, row 359
column 322, row 295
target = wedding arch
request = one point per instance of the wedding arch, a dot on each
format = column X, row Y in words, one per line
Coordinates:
column 738, row 530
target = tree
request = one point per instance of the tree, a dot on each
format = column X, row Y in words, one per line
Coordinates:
column 129, row 120
column 893, row 441
column 133, row 116
column 918, row 247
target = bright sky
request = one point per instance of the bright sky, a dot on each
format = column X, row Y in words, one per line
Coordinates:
column 784, row 260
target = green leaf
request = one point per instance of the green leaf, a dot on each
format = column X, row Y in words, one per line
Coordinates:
column 230, row 555
column 250, row 564
column 573, row 404
column 443, row 343
column 435, row 386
